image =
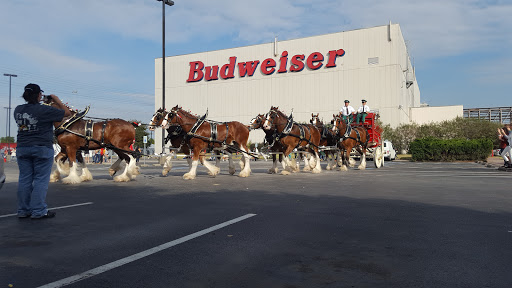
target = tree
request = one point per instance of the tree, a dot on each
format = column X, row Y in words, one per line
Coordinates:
column 7, row 139
column 140, row 132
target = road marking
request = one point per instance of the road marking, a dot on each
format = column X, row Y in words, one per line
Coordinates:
column 55, row 208
column 135, row 257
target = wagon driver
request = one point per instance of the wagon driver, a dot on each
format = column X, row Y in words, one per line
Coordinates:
column 347, row 111
column 362, row 112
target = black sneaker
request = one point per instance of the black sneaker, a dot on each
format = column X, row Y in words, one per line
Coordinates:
column 23, row 216
column 49, row 214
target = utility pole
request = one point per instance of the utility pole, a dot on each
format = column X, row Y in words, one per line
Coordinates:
column 9, row 113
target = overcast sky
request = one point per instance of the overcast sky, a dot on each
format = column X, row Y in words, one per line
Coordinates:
column 102, row 53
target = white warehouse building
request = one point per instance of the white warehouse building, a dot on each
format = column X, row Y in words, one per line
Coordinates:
column 307, row 75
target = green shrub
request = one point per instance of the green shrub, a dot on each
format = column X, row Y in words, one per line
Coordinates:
column 435, row 149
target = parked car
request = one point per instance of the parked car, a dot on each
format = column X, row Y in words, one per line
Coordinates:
column 2, row 174
column 389, row 152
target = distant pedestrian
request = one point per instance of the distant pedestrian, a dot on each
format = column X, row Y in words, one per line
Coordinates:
column 506, row 133
column 35, row 151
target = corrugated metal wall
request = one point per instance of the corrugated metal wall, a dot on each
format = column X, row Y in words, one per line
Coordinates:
column 323, row 91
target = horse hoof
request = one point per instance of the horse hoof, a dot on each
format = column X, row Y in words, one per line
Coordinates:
column 361, row 167
column 68, row 180
column 122, row 178
column 244, row 174
column 112, row 172
column 316, row 171
column 343, row 168
column 306, row 169
column 285, row 172
column 188, row 176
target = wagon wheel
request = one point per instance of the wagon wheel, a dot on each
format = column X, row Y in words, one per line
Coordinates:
column 378, row 157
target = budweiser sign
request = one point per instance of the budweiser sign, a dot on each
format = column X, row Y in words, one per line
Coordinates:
column 268, row 66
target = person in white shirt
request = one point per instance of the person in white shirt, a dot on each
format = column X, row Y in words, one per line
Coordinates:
column 362, row 112
column 506, row 133
column 347, row 111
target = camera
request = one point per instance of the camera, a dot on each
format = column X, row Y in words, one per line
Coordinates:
column 47, row 98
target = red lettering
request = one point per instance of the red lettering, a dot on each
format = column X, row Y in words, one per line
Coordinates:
column 313, row 58
column 195, row 67
column 228, row 70
column 332, row 57
column 247, row 68
column 209, row 75
column 297, row 64
column 283, row 61
column 268, row 63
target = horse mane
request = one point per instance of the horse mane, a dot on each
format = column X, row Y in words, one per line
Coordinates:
column 188, row 114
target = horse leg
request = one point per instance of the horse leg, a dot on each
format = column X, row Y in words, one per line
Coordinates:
column 167, row 165
column 73, row 177
column 191, row 174
column 362, row 166
column 317, row 168
column 307, row 159
column 55, row 176
column 116, row 166
column 127, row 175
column 274, row 168
column 231, row 165
column 212, row 169
column 329, row 156
column 86, row 174
column 246, row 169
column 344, row 156
column 287, row 162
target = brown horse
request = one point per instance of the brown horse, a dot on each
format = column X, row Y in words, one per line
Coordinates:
column 328, row 139
column 291, row 135
column 257, row 123
column 350, row 137
column 73, row 138
column 203, row 134
column 175, row 135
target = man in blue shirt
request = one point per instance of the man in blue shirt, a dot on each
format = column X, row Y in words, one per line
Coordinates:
column 35, row 151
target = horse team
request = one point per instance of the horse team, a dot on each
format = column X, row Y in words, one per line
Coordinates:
column 195, row 135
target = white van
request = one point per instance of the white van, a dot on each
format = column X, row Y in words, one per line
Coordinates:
column 389, row 152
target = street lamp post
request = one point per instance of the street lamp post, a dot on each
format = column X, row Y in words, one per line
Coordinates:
column 9, row 113
column 170, row 3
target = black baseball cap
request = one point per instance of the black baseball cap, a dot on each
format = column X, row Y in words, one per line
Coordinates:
column 363, row 100
column 346, row 101
column 33, row 88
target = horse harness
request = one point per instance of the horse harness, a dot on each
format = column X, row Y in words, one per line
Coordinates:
column 287, row 132
column 213, row 131
column 348, row 131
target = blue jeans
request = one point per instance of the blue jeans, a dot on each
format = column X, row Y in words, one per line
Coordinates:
column 35, row 165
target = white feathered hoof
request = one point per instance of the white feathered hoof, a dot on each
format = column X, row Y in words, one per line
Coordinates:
column 244, row 174
column 306, row 169
column 86, row 176
column 284, row 172
column 55, row 177
column 272, row 171
column 361, row 167
column 165, row 172
column 189, row 176
column 112, row 172
column 343, row 168
column 122, row 178
column 214, row 172
column 71, row 180
column 242, row 164
column 316, row 171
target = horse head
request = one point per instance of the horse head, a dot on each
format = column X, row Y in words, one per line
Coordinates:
column 257, row 122
column 274, row 118
column 315, row 120
column 157, row 119
column 339, row 124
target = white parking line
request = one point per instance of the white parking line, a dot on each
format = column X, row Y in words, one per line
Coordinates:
column 135, row 257
column 55, row 208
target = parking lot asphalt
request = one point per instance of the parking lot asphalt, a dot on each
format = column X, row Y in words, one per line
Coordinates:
column 404, row 225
